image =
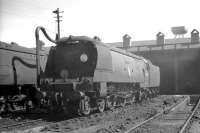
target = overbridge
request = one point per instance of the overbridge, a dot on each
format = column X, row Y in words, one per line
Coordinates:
column 179, row 66
column 178, row 59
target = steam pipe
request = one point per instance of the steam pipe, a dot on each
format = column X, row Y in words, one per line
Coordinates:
column 38, row 47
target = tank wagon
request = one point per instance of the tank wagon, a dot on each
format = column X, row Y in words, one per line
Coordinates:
column 18, row 74
column 83, row 74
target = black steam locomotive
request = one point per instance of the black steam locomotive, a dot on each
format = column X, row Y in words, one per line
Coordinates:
column 83, row 74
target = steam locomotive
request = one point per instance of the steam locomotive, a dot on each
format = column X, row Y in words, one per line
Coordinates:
column 78, row 75
column 83, row 74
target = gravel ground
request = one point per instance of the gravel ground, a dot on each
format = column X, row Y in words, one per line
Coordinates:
column 167, row 123
column 115, row 121
column 111, row 121
column 194, row 126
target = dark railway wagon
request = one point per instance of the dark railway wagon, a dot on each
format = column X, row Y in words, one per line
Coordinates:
column 179, row 67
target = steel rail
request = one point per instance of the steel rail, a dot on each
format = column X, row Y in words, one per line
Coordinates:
column 18, row 124
column 156, row 115
column 190, row 117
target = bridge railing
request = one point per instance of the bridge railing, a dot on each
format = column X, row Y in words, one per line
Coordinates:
column 163, row 47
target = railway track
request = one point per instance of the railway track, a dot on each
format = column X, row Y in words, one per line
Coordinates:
column 170, row 120
column 195, row 113
column 109, row 122
column 21, row 120
column 75, row 123
column 20, row 125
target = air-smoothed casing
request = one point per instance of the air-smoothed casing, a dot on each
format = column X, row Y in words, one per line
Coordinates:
column 77, row 57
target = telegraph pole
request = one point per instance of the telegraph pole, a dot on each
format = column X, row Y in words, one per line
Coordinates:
column 57, row 12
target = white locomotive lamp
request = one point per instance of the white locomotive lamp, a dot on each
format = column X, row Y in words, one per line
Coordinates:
column 84, row 57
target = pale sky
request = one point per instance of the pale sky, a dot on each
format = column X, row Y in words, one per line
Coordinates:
column 108, row 19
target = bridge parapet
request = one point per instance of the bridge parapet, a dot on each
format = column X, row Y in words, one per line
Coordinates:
column 163, row 47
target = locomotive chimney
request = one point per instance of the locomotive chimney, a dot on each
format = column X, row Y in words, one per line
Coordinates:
column 195, row 36
column 126, row 41
column 160, row 38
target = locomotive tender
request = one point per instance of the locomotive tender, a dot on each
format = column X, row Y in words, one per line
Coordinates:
column 18, row 73
column 83, row 74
